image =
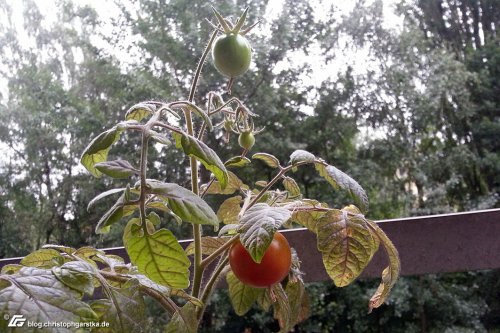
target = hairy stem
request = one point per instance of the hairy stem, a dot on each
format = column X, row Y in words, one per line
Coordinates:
column 273, row 181
column 220, row 250
column 207, row 292
column 194, row 84
column 165, row 302
column 143, row 168
column 198, row 269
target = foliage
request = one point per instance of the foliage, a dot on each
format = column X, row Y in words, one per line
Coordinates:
column 418, row 129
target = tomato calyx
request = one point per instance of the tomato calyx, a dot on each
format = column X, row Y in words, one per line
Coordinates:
column 229, row 28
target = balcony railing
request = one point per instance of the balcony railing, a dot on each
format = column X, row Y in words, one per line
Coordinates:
column 427, row 244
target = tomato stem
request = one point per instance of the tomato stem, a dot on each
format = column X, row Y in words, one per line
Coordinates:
column 217, row 252
column 278, row 176
column 212, row 282
column 198, row 268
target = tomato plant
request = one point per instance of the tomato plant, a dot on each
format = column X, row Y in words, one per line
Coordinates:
column 273, row 268
column 249, row 251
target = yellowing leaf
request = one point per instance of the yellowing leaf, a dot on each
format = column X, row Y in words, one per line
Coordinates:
column 242, row 296
column 268, row 159
column 347, row 245
column 339, row 179
column 291, row 187
column 390, row 273
column 43, row 258
column 234, row 184
column 208, row 245
column 140, row 111
column 229, row 210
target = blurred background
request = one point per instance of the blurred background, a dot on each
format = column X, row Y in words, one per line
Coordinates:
column 402, row 95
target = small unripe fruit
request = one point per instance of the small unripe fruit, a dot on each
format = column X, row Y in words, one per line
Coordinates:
column 232, row 54
column 246, row 140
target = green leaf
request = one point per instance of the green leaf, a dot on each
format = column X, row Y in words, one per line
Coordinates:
column 183, row 321
column 346, row 243
column 194, row 147
column 140, row 111
column 43, row 258
column 298, row 300
column 237, row 162
column 124, row 310
column 282, row 308
column 308, row 219
column 291, row 186
column 115, row 263
column 160, row 138
column 269, row 159
column 87, row 252
column 162, row 205
column 307, row 213
column 339, row 179
column 11, row 269
column 301, row 156
column 264, row 300
column 196, row 110
column 39, row 296
column 113, row 215
column 59, row 248
column 234, row 184
column 229, row 229
column 242, row 296
column 103, row 195
column 164, row 290
column 76, row 275
column 97, row 150
column 160, row 257
column 261, row 183
column 116, row 169
column 184, row 203
column 208, row 245
column 390, row 273
column 229, row 210
column 257, row 228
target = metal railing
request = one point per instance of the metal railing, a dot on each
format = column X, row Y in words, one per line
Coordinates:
column 427, row 244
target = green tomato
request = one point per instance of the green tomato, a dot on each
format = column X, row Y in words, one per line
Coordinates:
column 246, row 140
column 232, row 54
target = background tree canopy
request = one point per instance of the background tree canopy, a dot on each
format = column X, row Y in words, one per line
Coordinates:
column 412, row 114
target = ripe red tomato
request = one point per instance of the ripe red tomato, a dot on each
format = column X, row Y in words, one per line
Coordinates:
column 232, row 54
column 273, row 268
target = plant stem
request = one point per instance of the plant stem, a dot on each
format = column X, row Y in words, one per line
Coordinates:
column 217, row 252
column 165, row 302
column 207, row 292
column 274, row 180
column 143, row 168
column 198, row 269
column 194, row 84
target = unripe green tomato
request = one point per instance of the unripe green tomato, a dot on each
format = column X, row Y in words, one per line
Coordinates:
column 232, row 54
column 246, row 140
